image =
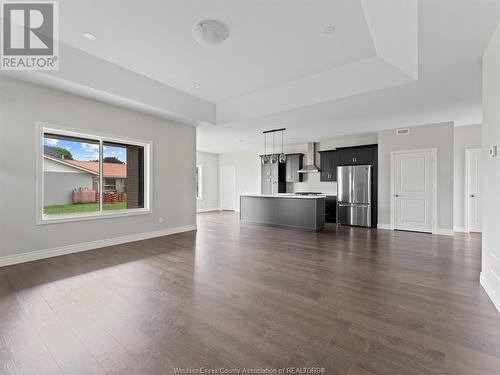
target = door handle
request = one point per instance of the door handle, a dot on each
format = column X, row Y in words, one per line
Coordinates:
column 396, row 195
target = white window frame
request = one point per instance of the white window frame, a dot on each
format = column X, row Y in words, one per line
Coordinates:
column 199, row 188
column 42, row 219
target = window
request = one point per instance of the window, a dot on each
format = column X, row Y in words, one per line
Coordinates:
column 87, row 176
column 198, row 182
column 109, row 185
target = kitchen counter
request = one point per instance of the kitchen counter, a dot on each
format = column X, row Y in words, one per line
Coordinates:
column 287, row 195
column 284, row 210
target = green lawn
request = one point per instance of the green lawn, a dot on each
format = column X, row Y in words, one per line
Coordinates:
column 61, row 209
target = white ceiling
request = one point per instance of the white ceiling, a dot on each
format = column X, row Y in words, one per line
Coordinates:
column 270, row 42
column 389, row 63
column 452, row 36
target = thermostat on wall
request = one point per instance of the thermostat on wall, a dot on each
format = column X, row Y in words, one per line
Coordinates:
column 493, row 151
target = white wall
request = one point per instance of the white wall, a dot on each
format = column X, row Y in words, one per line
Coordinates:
column 209, row 163
column 490, row 275
column 438, row 136
column 464, row 137
column 174, row 157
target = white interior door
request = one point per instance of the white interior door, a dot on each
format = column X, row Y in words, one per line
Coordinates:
column 413, row 190
column 473, row 192
column 228, row 188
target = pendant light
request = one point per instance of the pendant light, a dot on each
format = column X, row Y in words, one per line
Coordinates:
column 265, row 157
column 282, row 158
column 274, row 157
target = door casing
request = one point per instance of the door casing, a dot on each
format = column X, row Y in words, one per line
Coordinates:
column 434, row 184
column 232, row 170
column 468, row 152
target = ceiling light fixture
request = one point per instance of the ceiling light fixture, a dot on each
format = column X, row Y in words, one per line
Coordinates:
column 210, row 32
column 89, row 36
column 265, row 157
column 282, row 157
column 273, row 158
column 329, row 30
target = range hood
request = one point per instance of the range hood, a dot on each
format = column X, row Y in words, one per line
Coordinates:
column 310, row 167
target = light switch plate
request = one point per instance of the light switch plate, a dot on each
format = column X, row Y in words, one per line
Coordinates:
column 493, row 151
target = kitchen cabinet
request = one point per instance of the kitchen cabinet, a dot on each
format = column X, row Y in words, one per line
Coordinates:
column 361, row 155
column 266, row 184
column 328, row 168
column 293, row 165
column 273, row 178
column 331, row 209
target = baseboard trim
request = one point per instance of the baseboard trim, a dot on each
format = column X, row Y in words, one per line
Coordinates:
column 459, row 229
column 75, row 248
column 490, row 291
column 210, row 209
column 384, row 226
column 444, row 232
column 439, row 231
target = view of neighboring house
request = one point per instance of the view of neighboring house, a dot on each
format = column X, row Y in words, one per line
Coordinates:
column 62, row 176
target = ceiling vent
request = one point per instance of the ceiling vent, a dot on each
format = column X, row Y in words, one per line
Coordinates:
column 403, row 131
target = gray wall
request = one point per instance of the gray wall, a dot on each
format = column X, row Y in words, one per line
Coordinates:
column 210, row 181
column 465, row 137
column 490, row 276
column 174, row 160
column 438, row 136
column 58, row 186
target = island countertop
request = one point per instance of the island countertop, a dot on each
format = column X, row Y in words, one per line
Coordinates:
column 286, row 195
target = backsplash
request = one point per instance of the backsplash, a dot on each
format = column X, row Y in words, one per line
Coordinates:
column 312, row 183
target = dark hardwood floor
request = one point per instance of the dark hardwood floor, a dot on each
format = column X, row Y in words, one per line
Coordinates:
column 350, row 300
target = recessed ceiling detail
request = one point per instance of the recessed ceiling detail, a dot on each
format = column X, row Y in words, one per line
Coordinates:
column 327, row 66
column 270, row 64
column 394, row 62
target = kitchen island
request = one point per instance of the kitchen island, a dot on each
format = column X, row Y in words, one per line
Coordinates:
column 284, row 210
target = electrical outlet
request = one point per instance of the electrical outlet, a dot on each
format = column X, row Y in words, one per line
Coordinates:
column 160, row 220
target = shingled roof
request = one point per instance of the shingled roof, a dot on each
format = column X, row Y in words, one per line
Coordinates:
column 113, row 170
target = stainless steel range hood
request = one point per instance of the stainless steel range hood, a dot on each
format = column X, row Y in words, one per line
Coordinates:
column 310, row 167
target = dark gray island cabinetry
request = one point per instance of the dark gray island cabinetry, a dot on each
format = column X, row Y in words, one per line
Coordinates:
column 284, row 210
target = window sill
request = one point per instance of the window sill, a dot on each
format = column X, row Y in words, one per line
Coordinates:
column 58, row 219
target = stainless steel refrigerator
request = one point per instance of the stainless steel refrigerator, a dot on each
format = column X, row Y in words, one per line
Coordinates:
column 354, row 190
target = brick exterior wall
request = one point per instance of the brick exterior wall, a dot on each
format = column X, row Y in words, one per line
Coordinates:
column 135, row 177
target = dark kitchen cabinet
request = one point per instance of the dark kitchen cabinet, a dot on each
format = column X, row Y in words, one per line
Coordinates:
column 294, row 163
column 329, row 162
column 361, row 155
column 331, row 209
